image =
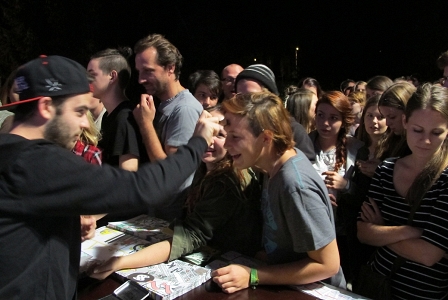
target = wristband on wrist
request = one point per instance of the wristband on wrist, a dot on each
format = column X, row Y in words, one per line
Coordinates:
column 253, row 282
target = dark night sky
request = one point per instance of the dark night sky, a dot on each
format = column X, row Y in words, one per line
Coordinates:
column 337, row 39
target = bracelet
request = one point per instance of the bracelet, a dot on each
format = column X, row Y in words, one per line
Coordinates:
column 253, row 278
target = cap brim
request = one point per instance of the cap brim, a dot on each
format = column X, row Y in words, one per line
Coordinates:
column 14, row 104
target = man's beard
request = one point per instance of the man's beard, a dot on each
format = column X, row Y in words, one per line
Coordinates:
column 58, row 132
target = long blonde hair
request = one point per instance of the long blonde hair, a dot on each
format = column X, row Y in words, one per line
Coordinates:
column 91, row 135
column 432, row 97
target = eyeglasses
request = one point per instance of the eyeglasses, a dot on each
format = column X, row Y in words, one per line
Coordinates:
column 228, row 80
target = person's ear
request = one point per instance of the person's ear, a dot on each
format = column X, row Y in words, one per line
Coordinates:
column 268, row 136
column 170, row 69
column 46, row 108
column 113, row 76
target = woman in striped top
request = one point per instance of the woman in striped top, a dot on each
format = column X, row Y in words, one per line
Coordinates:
column 417, row 180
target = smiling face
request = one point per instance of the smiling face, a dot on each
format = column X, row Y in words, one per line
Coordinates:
column 205, row 96
column 374, row 122
column 393, row 118
column 328, row 121
column 216, row 151
column 153, row 77
column 242, row 145
column 426, row 130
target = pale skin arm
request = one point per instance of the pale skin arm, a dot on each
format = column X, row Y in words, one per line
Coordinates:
column 207, row 127
column 418, row 250
column 128, row 162
column 371, row 229
column 144, row 114
column 403, row 240
column 320, row 264
column 151, row 255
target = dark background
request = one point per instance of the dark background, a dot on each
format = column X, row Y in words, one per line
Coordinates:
column 336, row 39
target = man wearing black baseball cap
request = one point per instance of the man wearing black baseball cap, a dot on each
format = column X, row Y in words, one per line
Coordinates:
column 44, row 187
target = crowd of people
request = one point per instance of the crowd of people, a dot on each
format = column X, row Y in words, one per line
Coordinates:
column 314, row 182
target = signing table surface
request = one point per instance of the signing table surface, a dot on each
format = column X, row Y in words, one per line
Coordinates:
column 91, row 289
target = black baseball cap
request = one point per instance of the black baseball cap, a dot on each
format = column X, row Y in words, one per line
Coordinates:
column 49, row 76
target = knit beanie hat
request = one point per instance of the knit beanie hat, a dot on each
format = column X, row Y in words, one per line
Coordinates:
column 260, row 73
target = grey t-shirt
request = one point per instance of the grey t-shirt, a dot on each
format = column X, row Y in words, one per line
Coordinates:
column 297, row 213
column 175, row 122
column 176, row 119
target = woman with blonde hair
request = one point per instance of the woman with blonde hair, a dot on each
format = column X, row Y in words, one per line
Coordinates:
column 302, row 106
column 392, row 106
column 406, row 215
column 86, row 145
column 357, row 100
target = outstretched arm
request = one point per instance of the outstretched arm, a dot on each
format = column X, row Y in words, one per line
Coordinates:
column 151, row 255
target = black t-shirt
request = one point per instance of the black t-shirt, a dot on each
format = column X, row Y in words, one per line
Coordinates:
column 121, row 135
column 43, row 190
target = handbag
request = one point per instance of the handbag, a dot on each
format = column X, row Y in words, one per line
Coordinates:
column 375, row 285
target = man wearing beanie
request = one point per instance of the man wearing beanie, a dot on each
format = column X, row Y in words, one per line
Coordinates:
column 45, row 188
column 257, row 77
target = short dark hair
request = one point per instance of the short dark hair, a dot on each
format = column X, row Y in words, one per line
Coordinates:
column 167, row 53
column 207, row 77
column 25, row 111
column 116, row 59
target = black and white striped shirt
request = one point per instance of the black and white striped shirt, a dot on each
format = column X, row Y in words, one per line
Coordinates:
column 413, row 280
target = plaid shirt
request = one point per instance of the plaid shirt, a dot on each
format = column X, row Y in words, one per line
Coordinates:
column 90, row 153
